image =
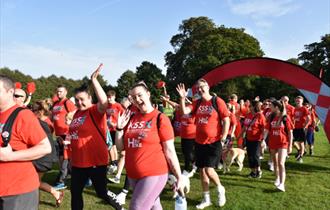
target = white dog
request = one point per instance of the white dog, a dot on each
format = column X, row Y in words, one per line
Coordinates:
column 185, row 181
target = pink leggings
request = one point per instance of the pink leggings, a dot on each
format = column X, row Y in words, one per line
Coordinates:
column 146, row 192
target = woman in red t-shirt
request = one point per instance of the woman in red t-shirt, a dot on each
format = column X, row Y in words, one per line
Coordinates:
column 89, row 150
column 279, row 131
column 253, row 128
column 150, row 151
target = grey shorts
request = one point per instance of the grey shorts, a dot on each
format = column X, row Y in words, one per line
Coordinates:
column 28, row 201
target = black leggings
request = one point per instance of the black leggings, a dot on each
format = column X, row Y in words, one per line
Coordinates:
column 79, row 178
column 253, row 152
column 188, row 150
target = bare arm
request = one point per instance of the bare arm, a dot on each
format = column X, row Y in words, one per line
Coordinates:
column 121, row 123
column 102, row 103
column 37, row 151
column 173, row 162
column 225, row 128
column 290, row 138
column 182, row 92
column 172, row 103
column 28, row 99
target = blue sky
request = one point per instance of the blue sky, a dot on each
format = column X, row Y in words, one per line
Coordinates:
column 70, row 38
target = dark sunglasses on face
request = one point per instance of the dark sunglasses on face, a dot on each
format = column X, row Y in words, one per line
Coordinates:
column 18, row 96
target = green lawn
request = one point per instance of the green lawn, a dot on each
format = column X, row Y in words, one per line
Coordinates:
column 307, row 186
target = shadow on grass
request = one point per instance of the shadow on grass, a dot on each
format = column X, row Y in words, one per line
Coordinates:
column 46, row 203
column 305, row 167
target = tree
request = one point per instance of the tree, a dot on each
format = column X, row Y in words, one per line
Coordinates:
column 201, row 46
column 125, row 82
column 316, row 57
column 150, row 74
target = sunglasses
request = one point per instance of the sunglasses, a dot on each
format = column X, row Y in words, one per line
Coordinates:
column 18, row 96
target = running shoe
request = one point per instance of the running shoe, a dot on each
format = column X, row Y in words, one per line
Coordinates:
column 121, row 198
column 203, row 204
column 281, row 187
column 222, row 196
column 115, row 180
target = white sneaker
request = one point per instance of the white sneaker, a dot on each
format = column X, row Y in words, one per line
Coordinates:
column 121, row 198
column 222, row 196
column 277, row 182
column 203, row 204
column 115, row 180
column 281, row 187
column 112, row 169
column 271, row 166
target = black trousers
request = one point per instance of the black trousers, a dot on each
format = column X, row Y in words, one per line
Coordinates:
column 79, row 178
column 188, row 150
column 253, row 152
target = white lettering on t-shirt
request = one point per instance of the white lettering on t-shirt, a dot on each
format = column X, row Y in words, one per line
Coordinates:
column 134, row 143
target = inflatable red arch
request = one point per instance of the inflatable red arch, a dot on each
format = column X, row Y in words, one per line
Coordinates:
column 314, row 90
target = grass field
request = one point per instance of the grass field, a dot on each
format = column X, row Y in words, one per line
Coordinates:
column 307, row 186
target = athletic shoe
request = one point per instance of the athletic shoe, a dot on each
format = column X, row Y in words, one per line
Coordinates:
column 281, row 187
column 203, row 204
column 121, row 198
column 220, row 166
column 115, row 180
column 261, row 157
column 258, row 175
column 113, row 201
column 277, row 182
column 311, row 152
column 112, row 169
column 300, row 160
column 252, row 175
column 222, row 196
column 59, row 186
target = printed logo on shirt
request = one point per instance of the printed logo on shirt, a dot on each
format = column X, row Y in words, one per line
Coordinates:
column 276, row 128
column 205, row 109
column 74, row 135
column 77, row 122
column 203, row 120
column 57, row 108
column 134, row 143
column 111, row 111
column 140, row 125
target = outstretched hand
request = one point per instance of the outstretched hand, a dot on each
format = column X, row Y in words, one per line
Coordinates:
column 123, row 119
column 181, row 90
column 96, row 73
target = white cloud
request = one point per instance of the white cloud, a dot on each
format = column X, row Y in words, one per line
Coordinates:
column 143, row 44
column 262, row 11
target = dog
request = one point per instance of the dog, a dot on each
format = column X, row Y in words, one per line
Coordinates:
column 171, row 181
column 229, row 155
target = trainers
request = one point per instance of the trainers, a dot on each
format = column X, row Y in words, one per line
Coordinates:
column 115, row 180
column 271, row 166
column 60, row 186
column 300, row 160
column 121, row 198
column 277, row 182
column 203, row 204
column 112, row 169
column 311, row 152
column 222, row 196
column 220, row 166
column 258, row 175
column 281, row 187
column 113, row 201
column 261, row 157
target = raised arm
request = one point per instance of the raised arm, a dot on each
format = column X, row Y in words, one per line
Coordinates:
column 182, row 92
column 102, row 103
column 123, row 119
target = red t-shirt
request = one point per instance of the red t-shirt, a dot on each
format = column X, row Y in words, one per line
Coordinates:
column 88, row 148
column 233, row 122
column 300, row 117
column 188, row 126
column 208, row 124
column 278, row 138
column 267, row 112
column 58, row 116
column 290, row 111
column 177, row 123
column 113, row 111
column 20, row 177
column 255, row 124
column 143, row 144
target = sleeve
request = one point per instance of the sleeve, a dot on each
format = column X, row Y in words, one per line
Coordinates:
column 289, row 123
column 222, row 108
column 29, row 128
column 165, row 131
column 70, row 105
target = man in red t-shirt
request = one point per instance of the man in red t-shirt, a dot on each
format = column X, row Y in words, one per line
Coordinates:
column 19, row 180
column 289, row 107
column 211, row 128
column 60, row 109
column 301, row 120
column 113, row 110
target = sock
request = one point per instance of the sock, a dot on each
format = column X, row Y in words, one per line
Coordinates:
column 207, row 196
column 124, row 191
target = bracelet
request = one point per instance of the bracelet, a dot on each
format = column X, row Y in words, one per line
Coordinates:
column 119, row 129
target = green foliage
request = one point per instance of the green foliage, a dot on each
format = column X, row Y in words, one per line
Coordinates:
column 125, row 82
column 150, row 74
column 317, row 56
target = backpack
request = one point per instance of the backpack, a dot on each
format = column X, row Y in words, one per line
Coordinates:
column 45, row 163
column 65, row 105
column 42, row 164
column 214, row 104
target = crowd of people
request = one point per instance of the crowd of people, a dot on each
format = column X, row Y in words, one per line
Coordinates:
column 95, row 141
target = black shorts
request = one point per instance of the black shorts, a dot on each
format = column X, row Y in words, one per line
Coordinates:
column 208, row 155
column 113, row 137
column 299, row 135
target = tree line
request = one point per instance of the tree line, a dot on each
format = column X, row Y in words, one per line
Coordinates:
column 198, row 47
